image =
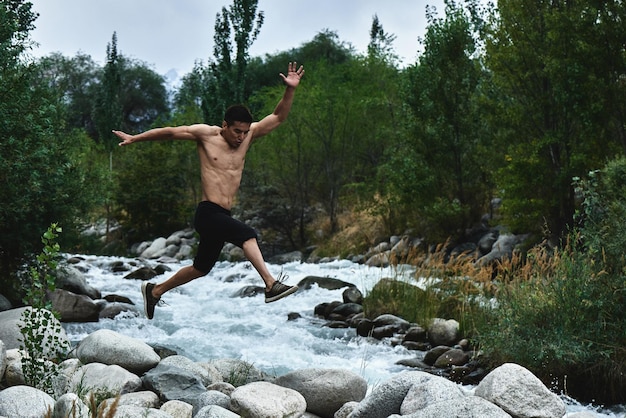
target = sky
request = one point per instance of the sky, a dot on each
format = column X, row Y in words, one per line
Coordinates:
column 174, row 34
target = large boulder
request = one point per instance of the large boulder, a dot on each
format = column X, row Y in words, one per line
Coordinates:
column 25, row 402
column 11, row 320
column 464, row 407
column 73, row 307
column 156, row 249
column 427, row 392
column 71, row 279
column 520, row 393
column 97, row 378
column 203, row 371
column 267, row 400
column 443, row 332
column 386, row 398
column 143, row 399
column 109, row 347
column 70, row 405
column 173, row 383
column 325, row 390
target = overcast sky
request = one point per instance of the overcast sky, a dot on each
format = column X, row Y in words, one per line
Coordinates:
column 174, row 34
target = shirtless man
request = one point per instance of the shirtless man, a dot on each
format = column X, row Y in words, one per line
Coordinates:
column 222, row 151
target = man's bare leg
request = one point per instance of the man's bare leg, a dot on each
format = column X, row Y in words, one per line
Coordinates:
column 152, row 292
column 182, row 276
column 273, row 289
column 253, row 253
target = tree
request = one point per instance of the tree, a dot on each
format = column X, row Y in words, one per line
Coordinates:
column 441, row 173
column 381, row 43
column 225, row 78
column 556, row 67
column 75, row 80
column 335, row 135
column 107, row 111
column 42, row 165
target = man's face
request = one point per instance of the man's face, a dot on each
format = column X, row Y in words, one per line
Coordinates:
column 235, row 134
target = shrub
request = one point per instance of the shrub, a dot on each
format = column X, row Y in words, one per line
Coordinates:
column 43, row 349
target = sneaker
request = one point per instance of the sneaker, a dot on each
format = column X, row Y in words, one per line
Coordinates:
column 279, row 290
column 149, row 301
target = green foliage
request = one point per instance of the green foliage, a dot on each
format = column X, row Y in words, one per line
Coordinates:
column 562, row 315
column 41, row 279
column 16, row 21
column 402, row 299
column 40, row 329
column 438, row 175
column 554, row 68
column 157, row 187
column 333, row 139
column 225, row 78
column 42, row 169
column 107, row 110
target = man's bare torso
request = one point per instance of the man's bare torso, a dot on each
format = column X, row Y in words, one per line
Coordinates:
column 221, row 165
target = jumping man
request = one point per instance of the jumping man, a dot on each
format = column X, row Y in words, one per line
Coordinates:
column 222, row 151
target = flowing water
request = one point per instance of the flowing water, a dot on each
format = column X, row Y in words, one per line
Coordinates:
column 203, row 321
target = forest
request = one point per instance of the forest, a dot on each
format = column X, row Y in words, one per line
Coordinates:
column 524, row 102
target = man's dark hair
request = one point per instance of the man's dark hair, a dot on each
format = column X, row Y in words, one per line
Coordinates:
column 237, row 113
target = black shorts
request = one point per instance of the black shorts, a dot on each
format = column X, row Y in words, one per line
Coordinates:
column 216, row 226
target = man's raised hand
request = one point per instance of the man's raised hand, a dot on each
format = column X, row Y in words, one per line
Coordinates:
column 292, row 79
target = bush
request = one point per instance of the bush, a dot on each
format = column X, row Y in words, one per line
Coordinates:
column 561, row 315
column 43, row 350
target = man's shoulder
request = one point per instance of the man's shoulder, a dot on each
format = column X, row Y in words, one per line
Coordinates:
column 203, row 130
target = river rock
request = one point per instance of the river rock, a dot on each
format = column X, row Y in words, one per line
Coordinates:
column 352, row 295
column 215, row 411
column 520, row 393
column 464, row 407
column 13, row 373
column 25, row 402
column 144, row 399
column 71, row 279
column 267, row 400
column 74, row 308
column 207, row 398
column 386, row 399
column 420, row 395
column 5, row 304
column 443, row 332
column 70, row 405
column 453, row 357
column 207, row 373
column 173, row 383
column 178, row 409
column 132, row 411
column 325, row 390
column 3, row 359
column 328, row 283
column 100, row 378
column 156, row 249
column 388, row 319
column 109, row 347
column 111, row 310
column 10, row 334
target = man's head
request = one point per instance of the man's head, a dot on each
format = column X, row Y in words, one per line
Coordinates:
column 237, row 113
column 236, row 125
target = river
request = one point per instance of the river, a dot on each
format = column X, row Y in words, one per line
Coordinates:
column 203, row 321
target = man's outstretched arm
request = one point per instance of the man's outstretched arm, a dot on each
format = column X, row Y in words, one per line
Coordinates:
column 190, row 133
column 271, row 122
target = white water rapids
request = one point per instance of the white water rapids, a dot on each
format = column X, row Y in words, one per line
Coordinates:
column 202, row 321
